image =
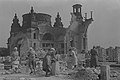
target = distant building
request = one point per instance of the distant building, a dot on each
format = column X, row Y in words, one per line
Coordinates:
column 114, row 54
column 110, row 54
column 101, row 54
column 117, row 54
column 37, row 32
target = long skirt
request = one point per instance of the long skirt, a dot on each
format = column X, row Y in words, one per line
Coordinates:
column 93, row 62
column 53, row 68
column 15, row 64
column 57, row 68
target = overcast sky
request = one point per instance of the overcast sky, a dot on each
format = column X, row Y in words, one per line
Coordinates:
column 104, row 31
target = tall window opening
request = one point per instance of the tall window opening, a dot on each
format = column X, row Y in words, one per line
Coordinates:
column 62, row 45
column 71, row 43
column 34, row 45
column 34, row 36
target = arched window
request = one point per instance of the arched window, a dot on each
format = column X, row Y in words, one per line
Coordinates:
column 48, row 36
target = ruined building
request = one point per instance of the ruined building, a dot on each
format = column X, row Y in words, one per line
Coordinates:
column 36, row 31
column 76, row 34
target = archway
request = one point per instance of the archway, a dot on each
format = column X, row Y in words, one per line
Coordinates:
column 48, row 36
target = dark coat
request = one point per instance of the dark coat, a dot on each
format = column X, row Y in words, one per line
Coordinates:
column 46, row 63
column 93, row 58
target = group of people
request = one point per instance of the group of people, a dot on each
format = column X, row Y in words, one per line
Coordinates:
column 49, row 59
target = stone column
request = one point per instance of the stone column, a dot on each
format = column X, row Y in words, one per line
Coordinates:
column 79, row 43
column 65, row 44
column 105, row 72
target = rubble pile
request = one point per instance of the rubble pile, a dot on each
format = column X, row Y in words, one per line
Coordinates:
column 84, row 74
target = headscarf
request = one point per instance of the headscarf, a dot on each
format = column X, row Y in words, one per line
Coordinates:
column 15, row 48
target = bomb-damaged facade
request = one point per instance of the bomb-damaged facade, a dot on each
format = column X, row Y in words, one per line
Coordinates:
column 37, row 32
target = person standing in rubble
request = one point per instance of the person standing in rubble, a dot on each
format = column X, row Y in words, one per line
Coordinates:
column 47, row 64
column 31, row 60
column 74, row 51
column 15, row 60
column 93, row 62
column 53, row 60
column 15, row 54
column 72, row 60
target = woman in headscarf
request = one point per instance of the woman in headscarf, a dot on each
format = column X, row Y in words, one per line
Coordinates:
column 15, row 59
column 72, row 58
column 15, row 54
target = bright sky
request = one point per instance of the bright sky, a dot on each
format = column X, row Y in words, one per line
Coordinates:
column 104, row 31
